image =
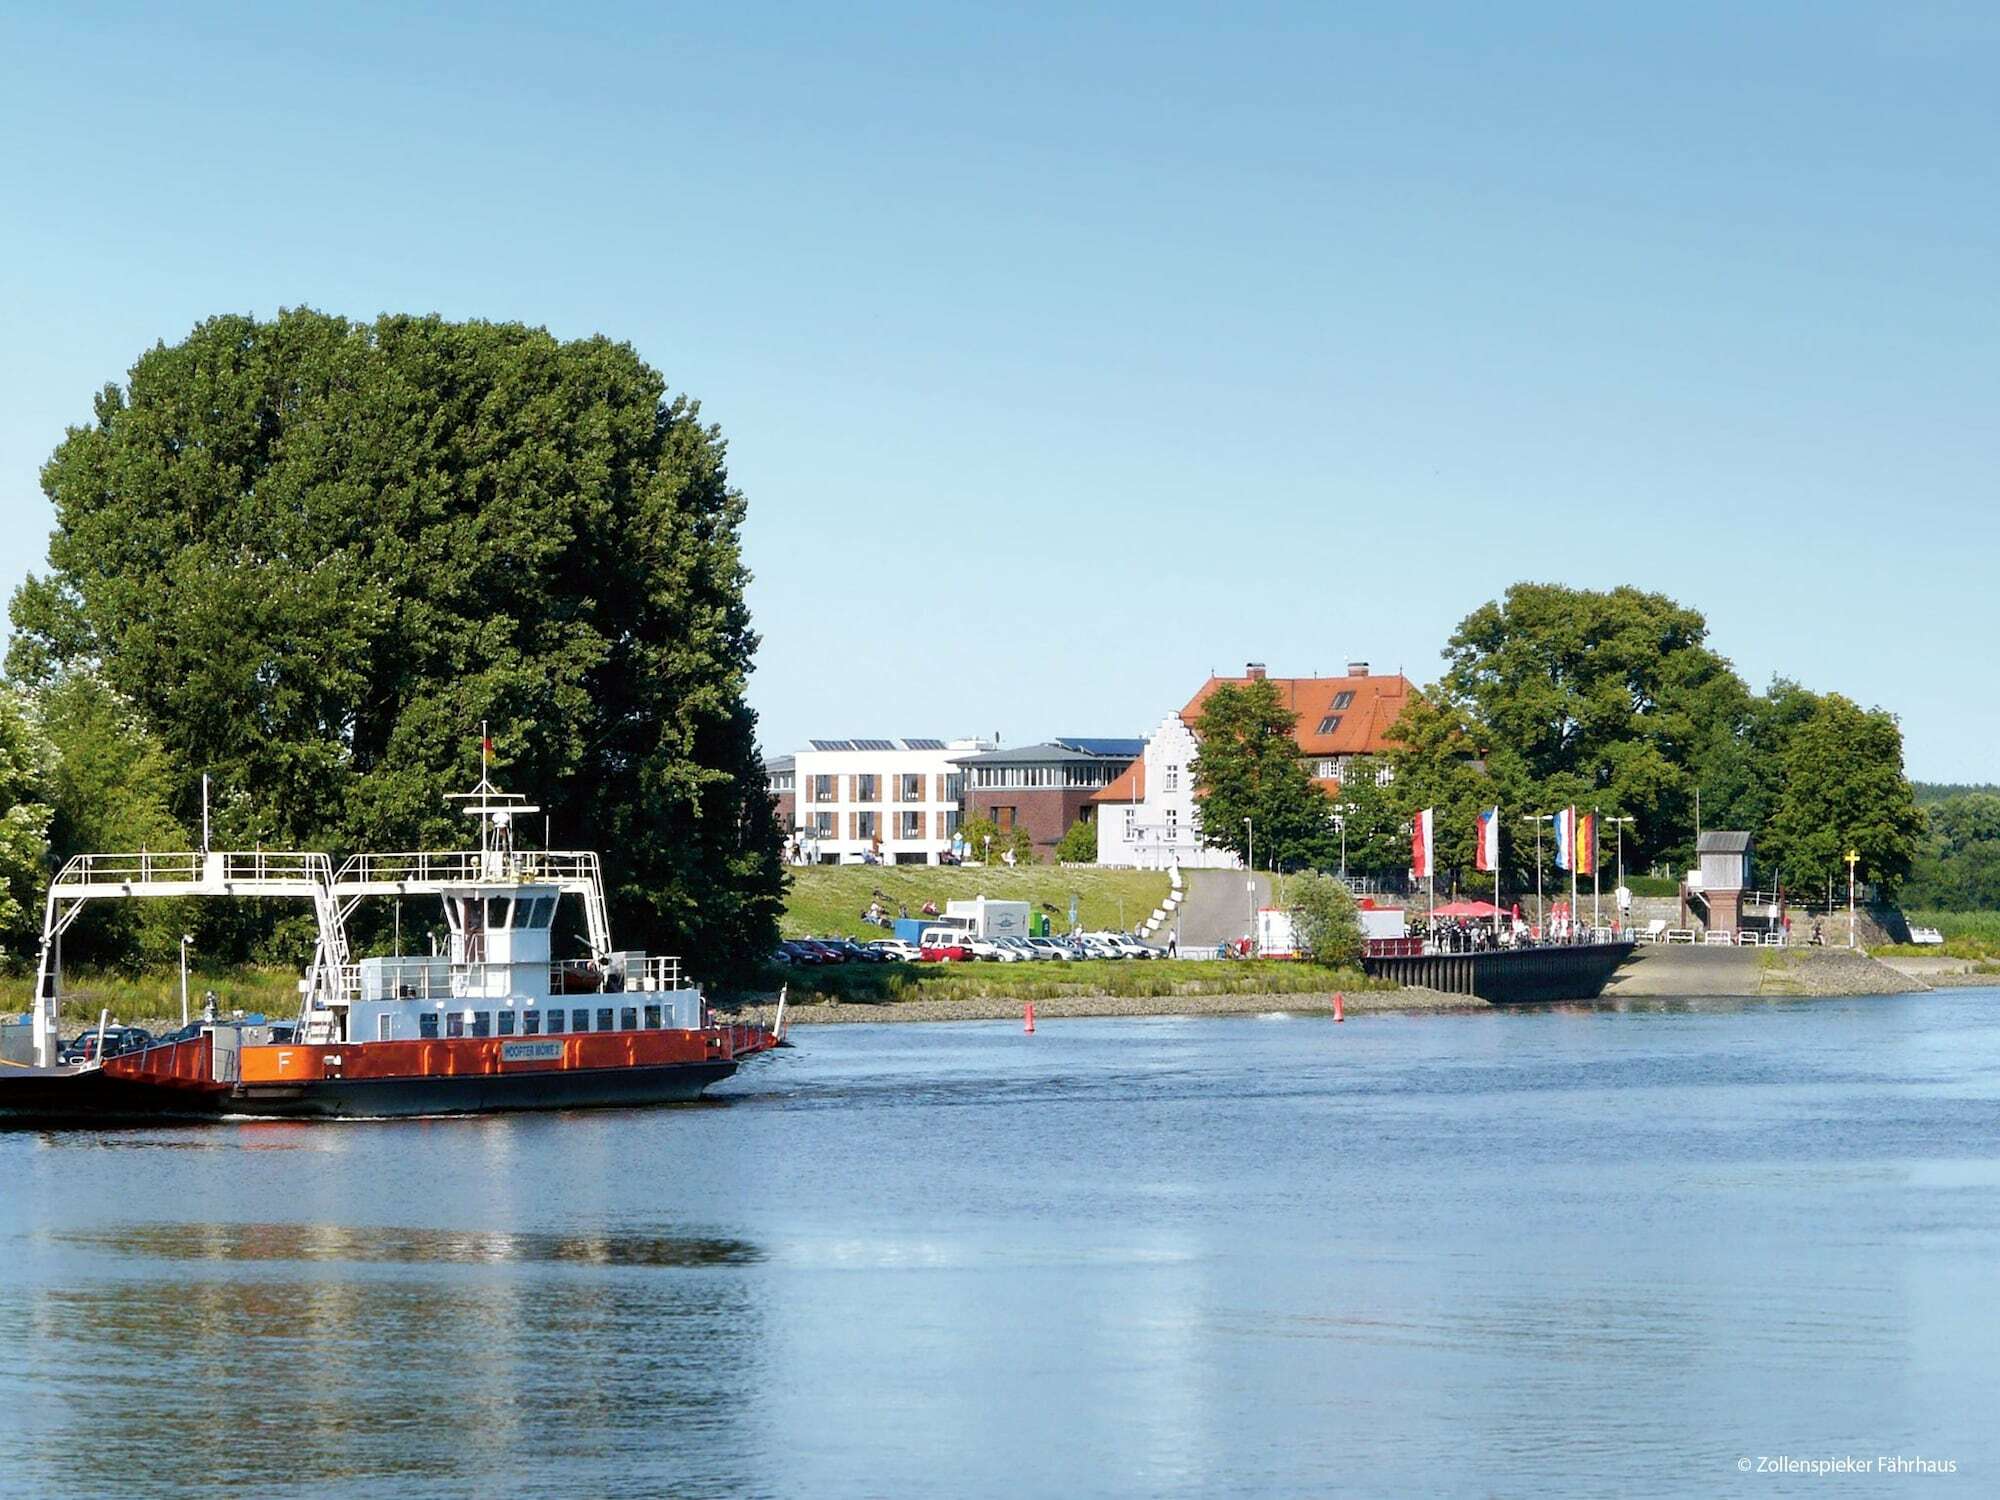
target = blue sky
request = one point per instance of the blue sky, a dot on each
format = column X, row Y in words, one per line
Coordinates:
column 1066, row 353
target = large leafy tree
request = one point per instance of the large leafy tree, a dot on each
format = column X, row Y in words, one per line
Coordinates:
column 315, row 555
column 1958, row 863
column 1611, row 700
column 109, row 786
column 1844, row 790
column 25, row 816
column 1248, row 768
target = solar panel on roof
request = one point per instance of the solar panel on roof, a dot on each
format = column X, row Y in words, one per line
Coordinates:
column 1132, row 748
column 874, row 745
column 830, row 744
column 923, row 744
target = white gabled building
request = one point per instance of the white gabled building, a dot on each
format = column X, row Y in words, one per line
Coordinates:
column 1149, row 818
column 895, row 801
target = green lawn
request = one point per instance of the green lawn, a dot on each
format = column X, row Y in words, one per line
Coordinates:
column 828, row 900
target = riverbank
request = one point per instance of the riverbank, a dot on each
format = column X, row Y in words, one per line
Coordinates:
column 763, row 1010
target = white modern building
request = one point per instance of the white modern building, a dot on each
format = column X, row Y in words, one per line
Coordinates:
column 889, row 801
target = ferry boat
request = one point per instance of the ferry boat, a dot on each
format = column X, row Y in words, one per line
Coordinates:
column 492, row 1022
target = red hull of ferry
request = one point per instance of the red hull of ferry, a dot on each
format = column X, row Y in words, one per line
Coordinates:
column 378, row 1080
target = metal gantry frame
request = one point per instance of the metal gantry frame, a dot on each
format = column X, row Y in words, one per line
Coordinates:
column 280, row 874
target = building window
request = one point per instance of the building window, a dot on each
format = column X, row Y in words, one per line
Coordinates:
column 867, row 825
column 1173, row 780
column 954, row 787
column 1004, row 818
column 910, row 825
column 531, row 1023
column 427, row 1025
column 1330, row 723
column 1343, row 699
column 652, row 1018
column 913, row 786
column 868, row 789
column 1131, row 823
column 506, row 1023
column 822, row 825
column 951, row 822
column 1325, row 771
column 1173, row 823
column 822, row 788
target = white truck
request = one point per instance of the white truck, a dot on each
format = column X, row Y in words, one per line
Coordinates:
column 989, row 919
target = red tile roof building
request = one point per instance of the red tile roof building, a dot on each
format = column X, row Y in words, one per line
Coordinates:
column 1148, row 816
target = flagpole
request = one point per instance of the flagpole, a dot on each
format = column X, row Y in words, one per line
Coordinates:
column 1596, row 880
column 1572, row 872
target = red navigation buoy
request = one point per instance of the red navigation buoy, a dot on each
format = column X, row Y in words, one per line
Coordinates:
column 1338, row 1013
column 1029, row 1024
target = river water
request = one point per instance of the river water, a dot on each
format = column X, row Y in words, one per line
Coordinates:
column 1552, row 1252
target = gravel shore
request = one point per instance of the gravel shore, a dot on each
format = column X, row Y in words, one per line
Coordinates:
column 1005, row 1008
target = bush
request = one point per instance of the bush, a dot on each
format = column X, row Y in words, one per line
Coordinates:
column 1324, row 924
column 1078, row 846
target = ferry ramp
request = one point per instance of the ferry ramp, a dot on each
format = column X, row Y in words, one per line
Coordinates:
column 1217, row 907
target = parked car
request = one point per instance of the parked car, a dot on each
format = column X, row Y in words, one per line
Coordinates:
column 850, row 951
column 823, row 950
column 1129, row 946
column 1048, row 947
column 1020, row 947
column 945, row 945
column 895, row 950
column 803, row 952
column 781, row 955
column 992, row 951
column 116, row 1040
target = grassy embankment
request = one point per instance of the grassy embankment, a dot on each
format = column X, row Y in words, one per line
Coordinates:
column 153, row 999
column 828, row 900
column 1973, row 935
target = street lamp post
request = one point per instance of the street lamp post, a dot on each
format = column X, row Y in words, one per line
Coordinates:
column 1541, row 922
column 1250, row 875
column 185, row 940
column 1853, row 858
column 1619, row 824
column 1340, row 822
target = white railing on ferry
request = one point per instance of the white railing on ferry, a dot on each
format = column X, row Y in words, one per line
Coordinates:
column 188, row 866
column 463, row 866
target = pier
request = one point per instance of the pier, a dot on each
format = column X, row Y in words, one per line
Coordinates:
column 1518, row 976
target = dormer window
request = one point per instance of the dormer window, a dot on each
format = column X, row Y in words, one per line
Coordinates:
column 1332, row 721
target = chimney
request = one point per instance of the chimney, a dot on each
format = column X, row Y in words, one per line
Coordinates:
column 1254, row 671
column 1357, row 669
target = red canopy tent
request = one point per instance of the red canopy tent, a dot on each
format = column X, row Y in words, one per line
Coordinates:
column 1470, row 909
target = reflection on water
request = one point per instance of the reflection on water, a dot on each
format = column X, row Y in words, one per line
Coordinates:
column 1558, row 1252
column 335, row 1242
column 193, row 1383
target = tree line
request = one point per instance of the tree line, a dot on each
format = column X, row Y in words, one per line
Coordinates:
column 1555, row 697
column 310, row 556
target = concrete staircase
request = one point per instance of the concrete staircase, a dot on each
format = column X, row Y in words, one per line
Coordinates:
column 1163, row 914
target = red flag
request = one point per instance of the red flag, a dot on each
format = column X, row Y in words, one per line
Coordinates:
column 1420, row 845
